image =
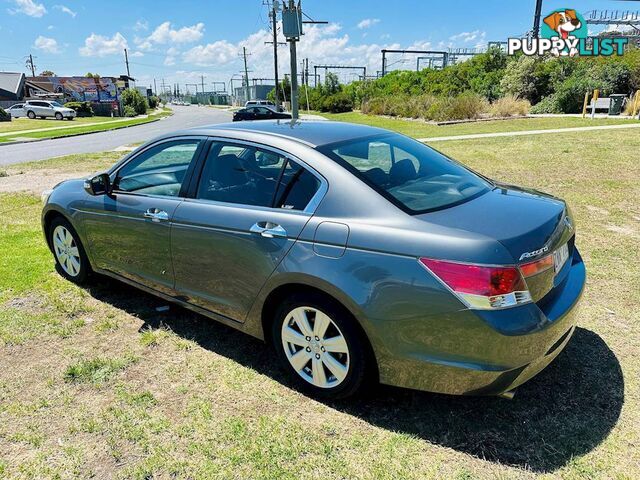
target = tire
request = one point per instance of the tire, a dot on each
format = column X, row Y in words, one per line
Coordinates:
column 59, row 116
column 331, row 371
column 31, row 115
column 71, row 259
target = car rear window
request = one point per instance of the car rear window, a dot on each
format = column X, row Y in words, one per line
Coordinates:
column 416, row 178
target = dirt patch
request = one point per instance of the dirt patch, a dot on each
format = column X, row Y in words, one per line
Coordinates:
column 36, row 181
column 28, row 303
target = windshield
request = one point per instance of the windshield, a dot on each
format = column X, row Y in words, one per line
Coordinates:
column 411, row 175
column 55, row 104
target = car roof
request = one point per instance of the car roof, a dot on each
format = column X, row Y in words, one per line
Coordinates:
column 311, row 132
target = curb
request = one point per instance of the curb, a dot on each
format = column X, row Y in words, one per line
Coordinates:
column 35, row 140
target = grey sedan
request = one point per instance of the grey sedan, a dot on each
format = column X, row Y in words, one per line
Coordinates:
column 361, row 255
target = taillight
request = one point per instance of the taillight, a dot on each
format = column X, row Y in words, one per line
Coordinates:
column 533, row 268
column 480, row 286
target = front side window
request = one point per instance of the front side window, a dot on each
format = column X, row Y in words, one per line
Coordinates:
column 160, row 170
column 411, row 175
column 252, row 176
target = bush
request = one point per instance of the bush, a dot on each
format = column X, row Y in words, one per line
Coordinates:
column 154, row 102
column 4, row 116
column 509, row 106
column 83, row 109
column 134, row 99
column 129, row 111
column 337, row 103
column 546, row 105
column 467, row 106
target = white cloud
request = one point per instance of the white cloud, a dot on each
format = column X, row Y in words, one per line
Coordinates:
column 45, row 44
column 141, row 25
column 468, row 37
column 322, row 44
column 165, row 33
column 368, row 22
column 100, row 46
column 170, row 59
column 28, row 7
column 65, row 9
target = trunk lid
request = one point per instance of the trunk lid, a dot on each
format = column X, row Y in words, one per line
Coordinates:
column 529, row 224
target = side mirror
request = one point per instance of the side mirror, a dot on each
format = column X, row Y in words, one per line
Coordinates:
column 98, row 185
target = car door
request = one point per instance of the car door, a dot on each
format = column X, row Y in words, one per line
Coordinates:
column 128, row 231
column 243, row 215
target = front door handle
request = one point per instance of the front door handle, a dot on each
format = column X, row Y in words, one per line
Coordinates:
column 269, row 230
column 156, row 215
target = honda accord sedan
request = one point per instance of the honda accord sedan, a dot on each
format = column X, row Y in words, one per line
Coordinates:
column 360, row 254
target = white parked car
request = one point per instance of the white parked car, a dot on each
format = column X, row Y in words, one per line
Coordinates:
column 17, row 110
column 47, row 108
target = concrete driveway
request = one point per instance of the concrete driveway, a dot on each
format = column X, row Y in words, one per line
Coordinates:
column 183, row 117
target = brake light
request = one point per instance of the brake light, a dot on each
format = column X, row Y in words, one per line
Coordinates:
column 533, row 268
column 480, row 286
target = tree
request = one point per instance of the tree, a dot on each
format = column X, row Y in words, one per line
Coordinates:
column 92, row 75
column 47, row 73
column 134, row 99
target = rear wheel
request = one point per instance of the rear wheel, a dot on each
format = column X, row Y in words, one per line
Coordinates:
column 318, row 342
column 71, row 259
column 59, row 116
column 31, row 115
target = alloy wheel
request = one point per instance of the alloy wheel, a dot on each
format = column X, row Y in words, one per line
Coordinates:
column 66, row 251
column 315, row 347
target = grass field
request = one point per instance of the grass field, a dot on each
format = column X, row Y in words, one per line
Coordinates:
column 421, row 129
column 96, row 382
column 75, row 127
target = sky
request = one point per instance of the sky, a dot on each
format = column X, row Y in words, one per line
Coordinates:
column 183, row 40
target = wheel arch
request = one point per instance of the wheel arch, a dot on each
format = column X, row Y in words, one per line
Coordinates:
column 48, row 219
column 285, row 290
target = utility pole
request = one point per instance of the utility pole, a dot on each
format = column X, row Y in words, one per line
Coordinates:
column 155, row 88
column 202, row 83
column 292, row 29
column 126, row 61
column 246, row 75
column 31, row 66
column 274, row 27
column 536, row 19
column 306, row 72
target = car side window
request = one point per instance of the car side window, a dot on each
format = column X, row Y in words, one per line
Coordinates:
column 240, row 174
column 296, row 188
column 159, row 170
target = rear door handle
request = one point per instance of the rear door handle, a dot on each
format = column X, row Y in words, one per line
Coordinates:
column 156, row 215
column 269, row 230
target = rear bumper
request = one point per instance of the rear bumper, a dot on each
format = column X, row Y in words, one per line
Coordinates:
column 484, row 353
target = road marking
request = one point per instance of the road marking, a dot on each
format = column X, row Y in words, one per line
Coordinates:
column 527, row 132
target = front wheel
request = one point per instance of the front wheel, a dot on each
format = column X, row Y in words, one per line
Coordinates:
column 71, row 260
column 318, row 342
column 59, row 116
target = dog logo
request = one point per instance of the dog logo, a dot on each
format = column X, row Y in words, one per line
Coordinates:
column 564, row 32
column 567, row 25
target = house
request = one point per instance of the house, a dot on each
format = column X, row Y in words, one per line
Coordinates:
column 11, row 86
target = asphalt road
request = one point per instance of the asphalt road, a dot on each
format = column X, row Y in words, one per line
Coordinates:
column 183, row 117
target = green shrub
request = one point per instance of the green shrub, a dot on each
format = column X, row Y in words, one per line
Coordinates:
column 337, row 103
column 154, row 102
column 83, row 109
column 548, row 104
column 508, row 106
column 4, row 116
column 134, row 99
column 129, row 111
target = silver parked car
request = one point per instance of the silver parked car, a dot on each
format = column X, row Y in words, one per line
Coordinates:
column 48, row 109
column 17, row 110
column 359, row 253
